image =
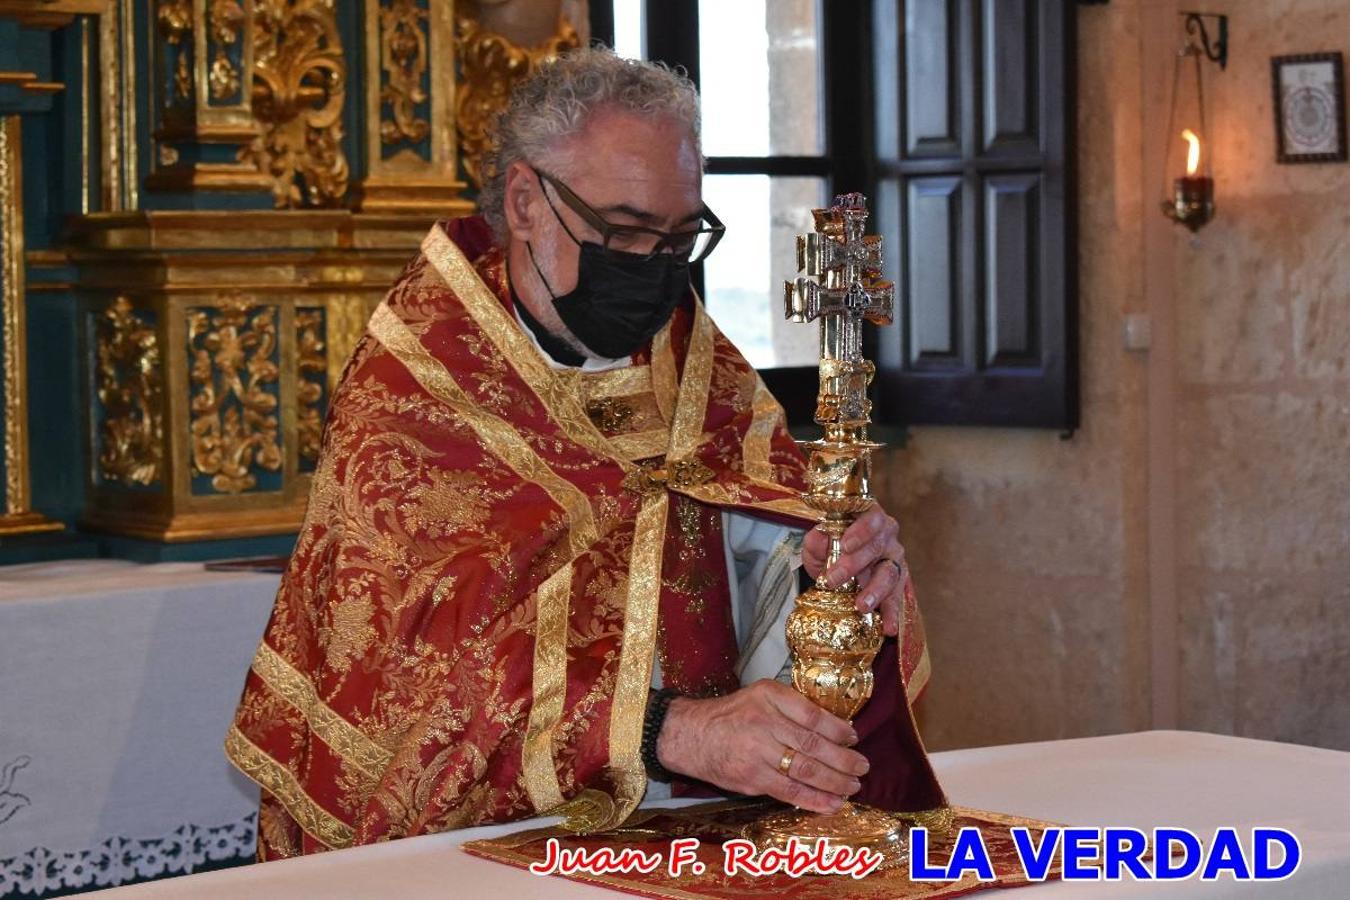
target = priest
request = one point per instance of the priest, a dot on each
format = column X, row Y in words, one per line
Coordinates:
column 555, row 528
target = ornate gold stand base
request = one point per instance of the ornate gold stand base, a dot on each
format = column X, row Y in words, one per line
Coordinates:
column 854, row 826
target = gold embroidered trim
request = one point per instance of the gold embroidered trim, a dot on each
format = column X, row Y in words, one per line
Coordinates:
column 559, row 399
column 792, row 506
column 626, row 382
column 755, row 448
column 664, row 381
column 692, row 403
column 629, row 706
column 586, row 812
column 919, row 680
column 720, row 494
column 550, row 690
column 495, row 432
column 657, row 475
column 345, row 739
column 641, row 444
column 281, row 783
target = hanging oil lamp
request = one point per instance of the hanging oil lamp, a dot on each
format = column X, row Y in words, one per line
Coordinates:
column 1190, row 200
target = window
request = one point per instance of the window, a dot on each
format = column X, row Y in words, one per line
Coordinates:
column 953, row 116
column 975, row 201
column 757, row 63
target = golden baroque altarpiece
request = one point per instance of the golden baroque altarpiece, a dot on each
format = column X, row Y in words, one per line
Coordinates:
column 254, row 174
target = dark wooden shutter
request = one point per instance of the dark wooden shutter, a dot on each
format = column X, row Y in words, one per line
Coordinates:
column 974, row 105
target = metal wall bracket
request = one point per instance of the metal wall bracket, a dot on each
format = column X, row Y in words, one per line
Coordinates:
column 1217, row 50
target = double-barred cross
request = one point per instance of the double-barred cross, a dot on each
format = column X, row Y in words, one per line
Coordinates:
column 841, row 268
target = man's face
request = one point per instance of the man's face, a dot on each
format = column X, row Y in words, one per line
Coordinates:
column 632, row 171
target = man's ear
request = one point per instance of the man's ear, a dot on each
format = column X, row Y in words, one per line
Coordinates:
column 522, row 190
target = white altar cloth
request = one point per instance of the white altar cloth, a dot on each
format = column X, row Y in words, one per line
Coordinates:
column 117, row 684
column 1197, row 781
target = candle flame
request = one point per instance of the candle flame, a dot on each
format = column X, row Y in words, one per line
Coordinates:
column 1193, row 152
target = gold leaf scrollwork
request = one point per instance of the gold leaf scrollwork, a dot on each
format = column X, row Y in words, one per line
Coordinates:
column 234, row 372
column 312, row 365
column 131, row 392
column 403, row 57
column 175, row 27
column 492, row 66
column 227, row 25
column 299, row 85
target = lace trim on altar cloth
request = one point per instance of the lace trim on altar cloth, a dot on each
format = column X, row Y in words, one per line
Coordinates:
column 120, row 860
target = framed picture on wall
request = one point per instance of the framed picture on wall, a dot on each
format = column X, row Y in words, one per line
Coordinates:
column 1309, row 108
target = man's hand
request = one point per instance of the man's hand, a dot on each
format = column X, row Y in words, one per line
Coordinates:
column 737, row 742
column 872, row 554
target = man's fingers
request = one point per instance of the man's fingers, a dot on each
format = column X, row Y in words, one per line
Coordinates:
column 815, row 548
column 883, row 582
column 866, row 541
column 890, row 614
column 850, row 565
column 816, row 543
column 811, row 772
column 866, row 528
column 811, row 717
column 847, row 764
column 790, row 790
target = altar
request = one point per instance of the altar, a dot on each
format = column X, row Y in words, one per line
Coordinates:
column 1186, row 779
column 119, row 681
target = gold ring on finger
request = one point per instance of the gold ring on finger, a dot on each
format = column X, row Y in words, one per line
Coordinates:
column 786, row 762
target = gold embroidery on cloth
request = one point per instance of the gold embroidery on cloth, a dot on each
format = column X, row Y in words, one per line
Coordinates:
column 655, row 476
column 540, row 771
column 609, row 414
column 496, row 434
column 345, row 739
column 626, row 382
column 733, row 495
column 641, row 444
column 755, row 448
column 587, row 812
column 664, row 380
column 692, row 403
column 559, row 400
column 629, row 706
column 281, row 783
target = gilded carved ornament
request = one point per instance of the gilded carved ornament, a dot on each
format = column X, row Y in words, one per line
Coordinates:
column 299, row 85
column 227, row 25
column 131, row 393
column 491, row 65
column 312, row 369
column 403, row 58
column 175, row 27
column 234, row 372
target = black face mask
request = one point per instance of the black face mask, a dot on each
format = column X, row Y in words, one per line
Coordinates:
column 621, row 299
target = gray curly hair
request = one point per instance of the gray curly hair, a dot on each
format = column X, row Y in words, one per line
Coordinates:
column 557, row 100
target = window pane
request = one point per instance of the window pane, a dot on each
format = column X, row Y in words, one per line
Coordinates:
column 743, row 279
column 760, row 64
column 628, row 29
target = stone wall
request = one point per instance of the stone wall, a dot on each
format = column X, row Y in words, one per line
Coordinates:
column 1263, row 409
column 1181, row 561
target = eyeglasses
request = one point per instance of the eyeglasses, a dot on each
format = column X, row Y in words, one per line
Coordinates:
column 693, row 245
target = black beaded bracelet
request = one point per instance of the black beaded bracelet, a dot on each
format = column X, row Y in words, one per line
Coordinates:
column 658, row 702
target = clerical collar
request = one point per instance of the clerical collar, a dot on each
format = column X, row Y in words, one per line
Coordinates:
column 547, row 341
